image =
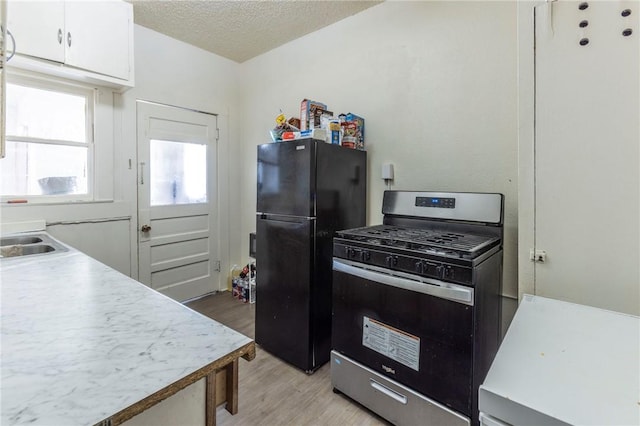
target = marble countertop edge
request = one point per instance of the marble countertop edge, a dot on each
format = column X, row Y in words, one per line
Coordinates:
column 101, row 344
column 247, row 352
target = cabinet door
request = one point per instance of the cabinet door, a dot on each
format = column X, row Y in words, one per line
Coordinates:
column 586, row 153
column 38, row 28
column 97, row 36
column 3, row 37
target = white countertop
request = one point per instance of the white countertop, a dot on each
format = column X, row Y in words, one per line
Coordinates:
column 81, row 341
column 562, row 363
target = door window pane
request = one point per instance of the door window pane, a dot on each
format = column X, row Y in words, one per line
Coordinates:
column 178, row 173
column 43, row 169
column 44, row 114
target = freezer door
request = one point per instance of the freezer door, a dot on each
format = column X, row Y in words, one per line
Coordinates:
column 283, row 311
column 286, row 178
column 341, row 196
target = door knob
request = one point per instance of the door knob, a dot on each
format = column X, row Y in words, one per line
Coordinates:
column 145, row 228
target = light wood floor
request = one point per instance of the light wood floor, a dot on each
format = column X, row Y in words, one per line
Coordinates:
column 272, row 392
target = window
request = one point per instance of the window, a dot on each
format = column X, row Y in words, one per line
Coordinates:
column 49, row 143
column 178, row 174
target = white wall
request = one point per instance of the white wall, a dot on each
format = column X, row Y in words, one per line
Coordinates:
column 437, row 85
column 175, row 73
column 99, row 229
column 105, row 241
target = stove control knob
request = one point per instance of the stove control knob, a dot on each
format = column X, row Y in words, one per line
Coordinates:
column 440, row 271
column 392, row 261
column 420, row 267
column 429, row 267
column 448, row 272
column 365, row 255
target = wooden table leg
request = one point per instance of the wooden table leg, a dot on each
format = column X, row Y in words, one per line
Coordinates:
column 232, row 386
column 210, row 399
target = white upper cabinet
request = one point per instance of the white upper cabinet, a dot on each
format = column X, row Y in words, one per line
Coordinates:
column 38, row 27
column 97, row 36
column 3, row 46
column 87, row 40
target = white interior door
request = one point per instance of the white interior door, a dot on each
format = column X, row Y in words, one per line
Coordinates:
column 587, row 178
column 177, row 196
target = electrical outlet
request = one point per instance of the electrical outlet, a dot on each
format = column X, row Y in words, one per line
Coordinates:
column 539, row 256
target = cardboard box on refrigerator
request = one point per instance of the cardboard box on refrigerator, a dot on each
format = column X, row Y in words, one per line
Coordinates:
column 353, row 127
column 307, row 112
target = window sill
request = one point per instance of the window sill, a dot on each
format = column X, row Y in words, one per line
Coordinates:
column 48, row 202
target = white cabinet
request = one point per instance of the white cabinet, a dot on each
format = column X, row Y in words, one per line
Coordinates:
column 86, row 40
column 38, row 27
column 97, row 36
column 564, row 364
column 3, row 55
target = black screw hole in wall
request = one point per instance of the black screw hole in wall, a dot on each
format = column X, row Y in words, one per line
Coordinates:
column 627, row 32
column 583, row 6
column 583, row 24
column 626, row 12
column 584, row 42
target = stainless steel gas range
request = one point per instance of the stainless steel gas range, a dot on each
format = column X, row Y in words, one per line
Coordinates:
column 417, row 306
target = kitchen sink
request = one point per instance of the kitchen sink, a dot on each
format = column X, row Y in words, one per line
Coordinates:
column 12, row 241
column 20, row 250
column 28, row 245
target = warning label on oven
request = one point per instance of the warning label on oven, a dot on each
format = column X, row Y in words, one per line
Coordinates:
column 391, row 342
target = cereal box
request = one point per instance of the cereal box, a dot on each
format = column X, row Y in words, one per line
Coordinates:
column 349, row 134
column 359, row 128
column 307, row 112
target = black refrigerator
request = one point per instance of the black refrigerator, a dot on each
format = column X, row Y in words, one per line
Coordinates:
column 307, row 190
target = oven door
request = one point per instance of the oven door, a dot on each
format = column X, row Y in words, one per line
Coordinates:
column 414, row 330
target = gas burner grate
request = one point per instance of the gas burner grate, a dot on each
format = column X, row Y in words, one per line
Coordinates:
column 419, row 239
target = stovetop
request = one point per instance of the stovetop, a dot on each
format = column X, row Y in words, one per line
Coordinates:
column 422, row 240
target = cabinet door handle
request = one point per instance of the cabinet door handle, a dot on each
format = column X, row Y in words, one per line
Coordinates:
column 69, row 39
column 13, row 42
column 59, row 35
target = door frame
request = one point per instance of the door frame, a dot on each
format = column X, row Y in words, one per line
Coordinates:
column 526, row 143
column 222, row 223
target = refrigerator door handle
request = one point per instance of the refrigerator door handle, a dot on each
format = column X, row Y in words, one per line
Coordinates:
column 268, row 216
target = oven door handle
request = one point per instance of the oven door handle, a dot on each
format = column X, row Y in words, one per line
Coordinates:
column 437, row 288
column 388, row 391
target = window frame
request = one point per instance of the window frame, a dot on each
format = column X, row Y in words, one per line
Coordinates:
column 91, row 96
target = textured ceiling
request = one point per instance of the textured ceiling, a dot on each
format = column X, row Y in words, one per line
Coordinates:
column 240, row 30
